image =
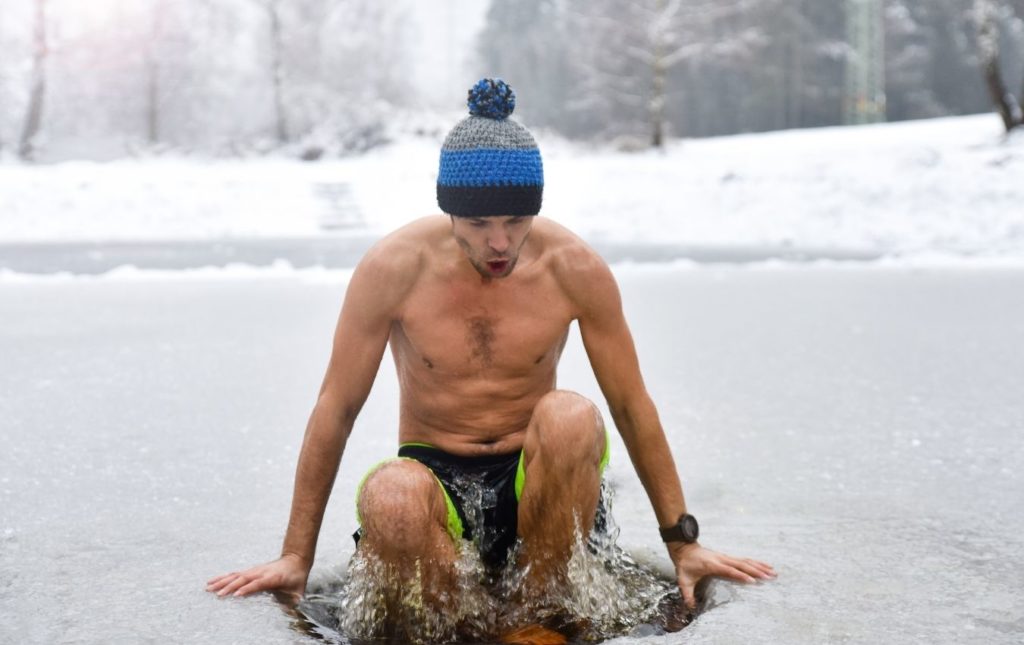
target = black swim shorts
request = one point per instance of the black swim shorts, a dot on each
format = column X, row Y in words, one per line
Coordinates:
column 482, row 495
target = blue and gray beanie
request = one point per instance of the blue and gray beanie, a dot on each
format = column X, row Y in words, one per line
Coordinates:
column 490, row 165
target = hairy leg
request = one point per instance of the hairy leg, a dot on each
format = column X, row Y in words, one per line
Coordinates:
column 404, row 519
column 561, row 456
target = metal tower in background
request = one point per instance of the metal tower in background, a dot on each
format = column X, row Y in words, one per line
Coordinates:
column 864, row 98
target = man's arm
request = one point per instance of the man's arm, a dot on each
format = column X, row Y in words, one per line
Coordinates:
column 373, row 295
column 612, row 355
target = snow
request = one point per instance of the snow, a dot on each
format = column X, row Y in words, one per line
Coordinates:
column 284, row 270
column 279, row 269
column 947, row 185
column 939, row 188
column 855, row 422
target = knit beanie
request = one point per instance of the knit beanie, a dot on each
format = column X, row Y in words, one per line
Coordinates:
column 490, row 165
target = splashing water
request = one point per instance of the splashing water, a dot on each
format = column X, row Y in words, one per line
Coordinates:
column 383, row 601
column 600, row 593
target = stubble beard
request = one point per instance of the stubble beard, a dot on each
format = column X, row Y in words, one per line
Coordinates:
column 485, row 270
column 481, row 265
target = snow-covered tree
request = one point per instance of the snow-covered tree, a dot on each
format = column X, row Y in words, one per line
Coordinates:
column 990, row 15
column 635, row 69
column 331, row 75
column 528, row 43
column 37, row 93
column 272, row 10
column 623, row 67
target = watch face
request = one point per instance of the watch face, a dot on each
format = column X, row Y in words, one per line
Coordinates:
column 685, row 530
column 690, row 528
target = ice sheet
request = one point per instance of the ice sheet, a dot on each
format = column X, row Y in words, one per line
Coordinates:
column 859, row 429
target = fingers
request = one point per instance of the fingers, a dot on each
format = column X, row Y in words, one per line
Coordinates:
column 731, row 572
column 764, row 567
column 232, row 585
column 688, row 596
column 252, row 587
column 744, row 570
column 219, row 582
column 752, row 568
column 697, row 563
column 284, row 574
column 761, row 569
column 213, row 581
column 238, row 584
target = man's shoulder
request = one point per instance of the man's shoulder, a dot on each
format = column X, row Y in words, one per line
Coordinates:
column 580, row 271
column 403, row 251
column 391, row 267
column 569, row 257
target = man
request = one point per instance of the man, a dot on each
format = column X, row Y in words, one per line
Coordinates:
column 476, row 307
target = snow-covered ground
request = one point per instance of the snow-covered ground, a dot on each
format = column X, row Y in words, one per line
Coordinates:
column 950, row 186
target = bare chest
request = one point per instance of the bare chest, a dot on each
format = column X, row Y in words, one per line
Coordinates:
column 509, row 331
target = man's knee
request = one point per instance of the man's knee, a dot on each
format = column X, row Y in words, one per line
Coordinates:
column 565, row 421
column 399, row 495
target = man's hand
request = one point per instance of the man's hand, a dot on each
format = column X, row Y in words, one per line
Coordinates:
column 693, row 562
column 287, row 575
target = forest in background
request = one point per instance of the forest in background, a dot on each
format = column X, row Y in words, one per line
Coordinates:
column 102, row 78
column 728, row 66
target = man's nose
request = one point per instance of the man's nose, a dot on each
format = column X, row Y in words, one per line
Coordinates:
column 498, row 242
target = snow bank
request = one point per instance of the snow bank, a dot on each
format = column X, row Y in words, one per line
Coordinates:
column 945, row 187
column 280, row 269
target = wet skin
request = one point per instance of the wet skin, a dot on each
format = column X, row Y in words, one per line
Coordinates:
column 476, row 312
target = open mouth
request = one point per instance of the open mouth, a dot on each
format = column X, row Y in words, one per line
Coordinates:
column 497, row 266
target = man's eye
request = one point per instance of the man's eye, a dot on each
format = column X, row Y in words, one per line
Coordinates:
column 478, row 223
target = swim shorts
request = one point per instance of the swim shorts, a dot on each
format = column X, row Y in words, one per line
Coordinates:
column 482, row 495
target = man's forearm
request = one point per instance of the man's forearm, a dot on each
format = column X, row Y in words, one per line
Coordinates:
column 322, row 447
column 652, row 458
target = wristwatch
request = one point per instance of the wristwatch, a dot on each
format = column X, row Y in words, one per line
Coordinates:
column 685, row 530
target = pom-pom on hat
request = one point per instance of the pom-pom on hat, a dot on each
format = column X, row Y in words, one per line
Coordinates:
column 490, row 165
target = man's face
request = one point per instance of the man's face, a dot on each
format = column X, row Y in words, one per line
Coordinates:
column 492, row 244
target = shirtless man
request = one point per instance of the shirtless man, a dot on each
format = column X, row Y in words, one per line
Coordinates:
column 476, row 306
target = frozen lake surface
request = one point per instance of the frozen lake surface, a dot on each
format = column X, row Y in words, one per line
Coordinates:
column 862, row 429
